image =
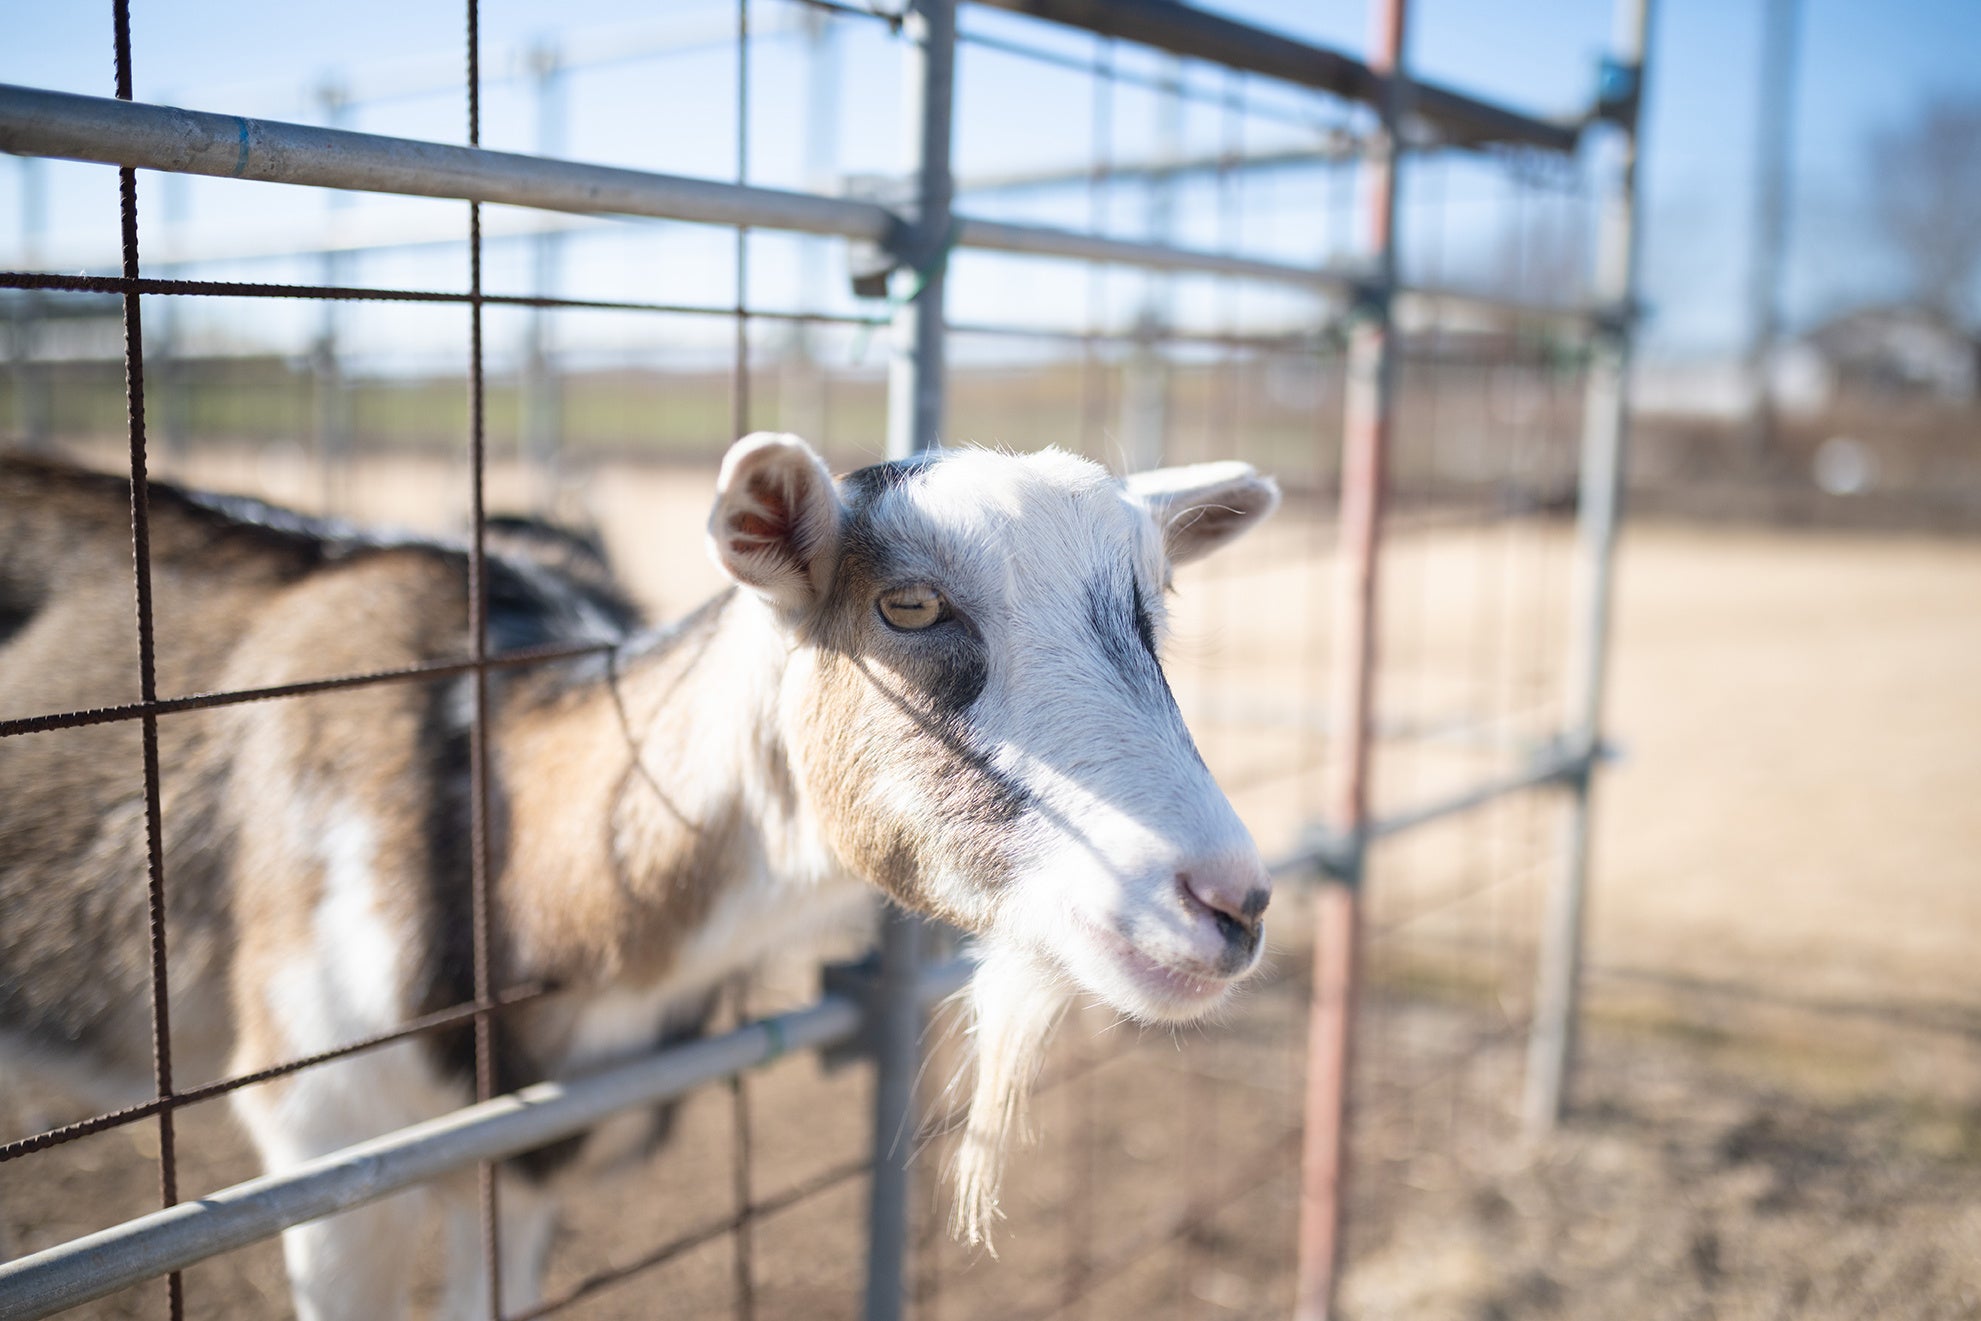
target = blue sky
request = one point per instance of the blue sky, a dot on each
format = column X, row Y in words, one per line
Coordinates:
column 1864, row 65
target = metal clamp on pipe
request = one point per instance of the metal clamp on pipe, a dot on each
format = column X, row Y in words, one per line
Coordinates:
column 859, row 983
column 869, row 262
column 908, row 245
column 1331, row 855
column 1619, row 93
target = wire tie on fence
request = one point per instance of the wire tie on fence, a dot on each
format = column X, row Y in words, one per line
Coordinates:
column 924, row 273
column 1369, row 304
column 774, row 1030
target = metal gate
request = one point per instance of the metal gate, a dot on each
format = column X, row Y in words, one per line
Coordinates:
column 1355, row 395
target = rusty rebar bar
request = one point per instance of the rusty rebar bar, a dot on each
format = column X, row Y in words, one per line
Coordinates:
column 154, row 822
column 442, row 669
column 182, row 1097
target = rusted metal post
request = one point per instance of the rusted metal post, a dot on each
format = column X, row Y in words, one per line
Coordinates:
column 1551, row 1045
column 1337, row 934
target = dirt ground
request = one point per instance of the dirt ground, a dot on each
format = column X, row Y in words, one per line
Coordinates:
column 1778, row 1112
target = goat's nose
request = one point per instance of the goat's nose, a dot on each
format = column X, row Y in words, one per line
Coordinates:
column 1236, row 895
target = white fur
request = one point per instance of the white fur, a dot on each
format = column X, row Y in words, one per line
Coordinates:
column 347, row 983
column 366, row 967
column 1014, row 1001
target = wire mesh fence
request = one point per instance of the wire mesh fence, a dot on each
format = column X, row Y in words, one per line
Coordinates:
column 1237, row 302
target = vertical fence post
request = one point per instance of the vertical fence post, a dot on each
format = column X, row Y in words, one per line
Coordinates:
column 1771, row 220
column 916, row 370
column 914, row 420
column 32, row 400
column 331, row 412
column 1145, row 378
column 542, row 389
column 801, row 379
column 896, row 1038
column 175, row 415
column 1371, row 388
column 1551, row 1045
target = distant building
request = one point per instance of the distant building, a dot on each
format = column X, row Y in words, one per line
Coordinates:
column 1907, row 350
column 1709, row 388
column 1901, row 349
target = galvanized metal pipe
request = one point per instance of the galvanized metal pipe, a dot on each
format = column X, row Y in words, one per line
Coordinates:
column 1041, row 241
column 36, row 122
column 1333, row 853
column 1186, row 30
column 896, row 1028
column 1563, row 765
column 1605, row 431
column 1337, row 148
column 99, row 1264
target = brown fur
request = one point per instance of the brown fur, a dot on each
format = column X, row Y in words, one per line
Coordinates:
column 601, row 878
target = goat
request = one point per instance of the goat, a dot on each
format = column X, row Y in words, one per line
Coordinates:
column 935, row 676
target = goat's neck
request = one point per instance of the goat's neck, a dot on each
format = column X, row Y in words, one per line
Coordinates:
column 648, row 796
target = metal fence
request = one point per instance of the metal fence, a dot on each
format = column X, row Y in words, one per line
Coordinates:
column 1391, row 365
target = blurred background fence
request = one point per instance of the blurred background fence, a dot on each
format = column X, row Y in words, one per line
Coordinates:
column 1187, row 238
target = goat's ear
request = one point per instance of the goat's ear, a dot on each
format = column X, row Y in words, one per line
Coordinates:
column 1201, row 507
column 775, row 525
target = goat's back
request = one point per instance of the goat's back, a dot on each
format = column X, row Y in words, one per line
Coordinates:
column 245, row 595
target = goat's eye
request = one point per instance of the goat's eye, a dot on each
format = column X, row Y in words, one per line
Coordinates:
column 911, row 608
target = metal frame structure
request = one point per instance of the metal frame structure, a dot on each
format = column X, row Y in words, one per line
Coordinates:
column 917, row 239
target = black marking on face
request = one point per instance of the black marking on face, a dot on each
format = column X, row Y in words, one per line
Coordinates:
column 1145, row 627
column 1127, row 637
column 861, row 487
column 946, row 665
column 1125, row 632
